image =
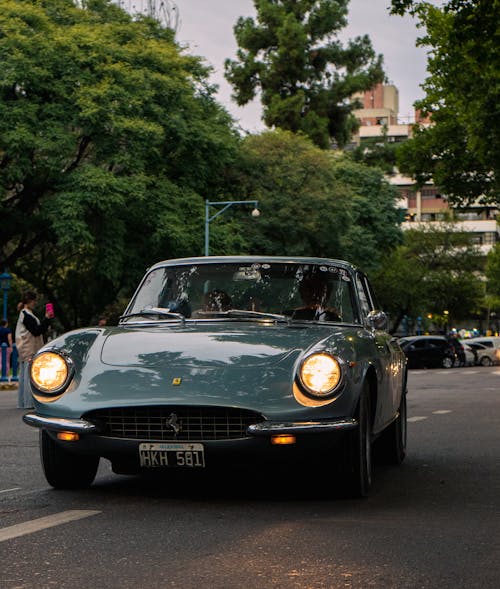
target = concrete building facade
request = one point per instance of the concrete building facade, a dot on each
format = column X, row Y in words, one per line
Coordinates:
column 428, row 204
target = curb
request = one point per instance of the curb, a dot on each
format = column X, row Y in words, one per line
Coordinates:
column 8, row 386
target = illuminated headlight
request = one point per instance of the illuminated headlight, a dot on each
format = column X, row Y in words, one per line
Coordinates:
column 50, row 372
column 320, row 374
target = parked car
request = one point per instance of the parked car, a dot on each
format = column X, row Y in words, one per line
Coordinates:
column 485, row 356
column 226, row 359
column 486, row 341
column 470, row 355
column 428, row 351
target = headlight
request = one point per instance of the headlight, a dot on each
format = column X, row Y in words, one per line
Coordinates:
column 50, row 372
column 320, row 374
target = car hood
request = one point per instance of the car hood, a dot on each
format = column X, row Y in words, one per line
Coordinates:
column 240, row 364
column 210, row 346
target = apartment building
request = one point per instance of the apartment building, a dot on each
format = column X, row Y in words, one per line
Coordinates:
column 379, row 119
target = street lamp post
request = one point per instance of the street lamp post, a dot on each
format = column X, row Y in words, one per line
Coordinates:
column 225, row 205
column 5, row 280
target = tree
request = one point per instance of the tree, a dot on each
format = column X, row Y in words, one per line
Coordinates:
column 375, row 228
column 434, row 270
column 314, row 202
column 304, row 74
column 378, row 152
column 461, row 149
column 109, row 135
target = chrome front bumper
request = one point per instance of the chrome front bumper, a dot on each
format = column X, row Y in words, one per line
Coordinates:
column 79, row 426
column 265, row 428
column 268, row 428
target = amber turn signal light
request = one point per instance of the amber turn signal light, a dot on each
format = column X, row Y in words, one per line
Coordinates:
column 283, row 439
column 68, row 436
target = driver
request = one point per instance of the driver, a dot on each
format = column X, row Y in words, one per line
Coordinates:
column 315, row 293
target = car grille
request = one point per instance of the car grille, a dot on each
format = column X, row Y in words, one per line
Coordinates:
column 161, row 423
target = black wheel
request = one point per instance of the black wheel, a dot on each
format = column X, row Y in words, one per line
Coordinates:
column 65, row 470
column 390, row 447
column 358, row 465
column 485, row 361
column 448, row 362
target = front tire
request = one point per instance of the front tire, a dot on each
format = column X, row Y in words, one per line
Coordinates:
column 486, row 361
column 358, row 464
column 390, row 447
column 63, row 469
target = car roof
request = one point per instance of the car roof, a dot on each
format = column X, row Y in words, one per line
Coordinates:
column 412, row 338
column 253, row 259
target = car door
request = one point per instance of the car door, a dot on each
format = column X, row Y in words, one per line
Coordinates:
column 389, row 358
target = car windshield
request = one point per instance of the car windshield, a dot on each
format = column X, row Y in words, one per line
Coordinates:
column 280, row 291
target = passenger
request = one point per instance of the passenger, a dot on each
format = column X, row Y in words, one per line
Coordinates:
column 217, row 300
column 315, row 293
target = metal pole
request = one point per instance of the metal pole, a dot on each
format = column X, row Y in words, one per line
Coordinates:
column 207, row 226
column 5, row 298
column 225, row 205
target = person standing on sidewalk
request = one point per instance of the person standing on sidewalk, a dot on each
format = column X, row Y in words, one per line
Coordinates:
column 29, row 339
column 5, row 338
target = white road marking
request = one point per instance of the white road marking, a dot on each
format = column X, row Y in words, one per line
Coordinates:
column 417, row 418
column 441, row 412
column 9, row 490
column 42, row 523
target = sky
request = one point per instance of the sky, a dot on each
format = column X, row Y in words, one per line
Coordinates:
column 206, row 27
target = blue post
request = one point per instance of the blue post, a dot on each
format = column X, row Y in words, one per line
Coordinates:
column 5, row 300
column 5, row 368
column 14, row 363
column 419, row 326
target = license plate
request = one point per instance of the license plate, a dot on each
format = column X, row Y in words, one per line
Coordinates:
column 163, row 455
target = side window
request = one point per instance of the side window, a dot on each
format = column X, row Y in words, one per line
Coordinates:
column 363, row 294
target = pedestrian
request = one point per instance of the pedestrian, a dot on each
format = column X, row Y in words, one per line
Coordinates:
column 29, row 339
column 5, row 338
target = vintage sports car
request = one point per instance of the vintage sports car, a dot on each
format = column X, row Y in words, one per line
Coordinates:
column 222, row 360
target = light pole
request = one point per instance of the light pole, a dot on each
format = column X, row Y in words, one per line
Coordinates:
column 5, row 280
column 225, row 205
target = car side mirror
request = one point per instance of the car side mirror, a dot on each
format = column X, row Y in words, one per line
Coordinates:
column 377, row 320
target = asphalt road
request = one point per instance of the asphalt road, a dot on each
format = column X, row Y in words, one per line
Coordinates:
column 432, row 523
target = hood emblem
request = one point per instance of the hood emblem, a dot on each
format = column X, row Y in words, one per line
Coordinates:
column 177, row 381
column 172, row 422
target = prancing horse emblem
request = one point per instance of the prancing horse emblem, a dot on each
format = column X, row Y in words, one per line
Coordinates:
column 172, row 422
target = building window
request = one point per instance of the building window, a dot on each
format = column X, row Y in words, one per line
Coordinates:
column 430, row 193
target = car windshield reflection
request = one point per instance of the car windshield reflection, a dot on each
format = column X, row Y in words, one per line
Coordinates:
column 256, row 291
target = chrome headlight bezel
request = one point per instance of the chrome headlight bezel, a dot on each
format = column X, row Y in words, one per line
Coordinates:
column 327, row 393
column 57, row 390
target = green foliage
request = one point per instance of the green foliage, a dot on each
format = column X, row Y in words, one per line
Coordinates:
column 435, row 269
column 461, row 151
column 109, row 135
column 292, row 57
column 315, row 203
column 374, row 229
column 378, row 152
column 493, row 272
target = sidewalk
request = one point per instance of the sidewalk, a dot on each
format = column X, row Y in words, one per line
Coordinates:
column 8, row 386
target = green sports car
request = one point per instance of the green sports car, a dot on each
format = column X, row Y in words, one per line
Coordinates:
column 223, row 360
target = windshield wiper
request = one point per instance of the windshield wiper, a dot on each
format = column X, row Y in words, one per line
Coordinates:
column 244, row 313
column 156, row 312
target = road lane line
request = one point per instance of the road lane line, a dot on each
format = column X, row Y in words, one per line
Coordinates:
column 42, row 523
column 441, row 412
column 9, row 490
column 416, row 418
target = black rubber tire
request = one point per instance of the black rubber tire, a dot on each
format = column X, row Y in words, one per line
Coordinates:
column 448, row 362
column 390, row 447
column 486, row 361
column 358, row 463
column 63, row 469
